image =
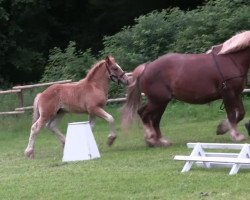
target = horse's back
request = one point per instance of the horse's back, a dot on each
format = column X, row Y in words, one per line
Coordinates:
column 188, row 77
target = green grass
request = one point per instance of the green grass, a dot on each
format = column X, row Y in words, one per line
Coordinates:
column 127, row 170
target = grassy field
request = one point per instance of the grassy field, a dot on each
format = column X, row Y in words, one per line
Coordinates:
column 128, row 169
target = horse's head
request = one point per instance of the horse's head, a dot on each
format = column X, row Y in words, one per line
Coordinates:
column 115, row 72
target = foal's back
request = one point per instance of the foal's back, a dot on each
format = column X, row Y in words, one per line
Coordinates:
column 70, row 97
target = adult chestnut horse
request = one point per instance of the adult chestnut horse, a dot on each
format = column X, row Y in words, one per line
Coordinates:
column 89, row 95
column 192, row 78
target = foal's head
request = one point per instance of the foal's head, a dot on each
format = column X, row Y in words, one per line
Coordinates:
column 116, row 73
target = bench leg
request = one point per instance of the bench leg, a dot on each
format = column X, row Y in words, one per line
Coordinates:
column 244, row 153
column 197, row 151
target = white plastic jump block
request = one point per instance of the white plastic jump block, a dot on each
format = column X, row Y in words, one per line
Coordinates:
column 80, row 143
column 202, row 158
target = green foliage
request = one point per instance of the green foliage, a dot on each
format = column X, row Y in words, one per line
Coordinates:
column 174, row 30
column 68, row 64
column 155, row 34
column 212, row 24
column 23, row 36
column 146, row 40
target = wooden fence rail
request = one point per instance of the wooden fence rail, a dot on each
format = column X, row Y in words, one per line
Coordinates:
column 19, row 91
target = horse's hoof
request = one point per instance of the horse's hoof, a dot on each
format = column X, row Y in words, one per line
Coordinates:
column 150, row 142
column 29, row 153
column 223, row 127
column 164, row 143
column 238, row 138
column 161, row 142
column 111, row 139
column 247, row 126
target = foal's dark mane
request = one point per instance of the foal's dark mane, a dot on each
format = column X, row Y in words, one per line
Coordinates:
column 94, row 69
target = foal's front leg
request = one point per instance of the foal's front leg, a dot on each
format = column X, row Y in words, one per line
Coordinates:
column 103, row 114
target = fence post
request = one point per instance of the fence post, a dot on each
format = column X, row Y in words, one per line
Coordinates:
column 20, row 98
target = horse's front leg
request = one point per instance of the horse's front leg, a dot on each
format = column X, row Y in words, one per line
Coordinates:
column 235, row 113
column 106, row 116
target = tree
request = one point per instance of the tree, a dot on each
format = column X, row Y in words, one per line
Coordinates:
column 174, row 30
column 68, row 64
column 23, row 37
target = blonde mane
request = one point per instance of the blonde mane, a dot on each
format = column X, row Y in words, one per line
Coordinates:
column 93, row 69
column 236, row 43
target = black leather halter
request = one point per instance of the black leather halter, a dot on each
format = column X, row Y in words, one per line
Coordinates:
column 114, row 77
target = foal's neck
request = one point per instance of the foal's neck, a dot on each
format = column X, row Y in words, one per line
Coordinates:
column 99, row 77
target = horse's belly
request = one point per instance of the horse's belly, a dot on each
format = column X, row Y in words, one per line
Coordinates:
column 197, row 98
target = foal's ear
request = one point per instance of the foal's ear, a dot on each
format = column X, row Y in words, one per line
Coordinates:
column 107, row 59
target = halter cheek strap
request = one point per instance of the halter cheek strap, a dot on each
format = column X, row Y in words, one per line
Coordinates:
column 114, row 77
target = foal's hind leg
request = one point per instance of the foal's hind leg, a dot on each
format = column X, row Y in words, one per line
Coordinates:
column 52, row 125
column 35, row 128
column 103, row 114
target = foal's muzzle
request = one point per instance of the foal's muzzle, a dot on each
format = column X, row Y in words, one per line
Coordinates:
column 123, row 79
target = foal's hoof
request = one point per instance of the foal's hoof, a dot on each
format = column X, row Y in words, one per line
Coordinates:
column 223, row 127
column 111, row 139
column 29, row 153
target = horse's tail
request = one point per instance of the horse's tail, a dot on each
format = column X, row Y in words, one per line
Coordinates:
column 36, row 113
column 133, row 101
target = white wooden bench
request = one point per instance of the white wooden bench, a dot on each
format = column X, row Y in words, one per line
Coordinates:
column 208, row 159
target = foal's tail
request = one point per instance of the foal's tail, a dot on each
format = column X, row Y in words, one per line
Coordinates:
column 133, row 101
column 36, row 113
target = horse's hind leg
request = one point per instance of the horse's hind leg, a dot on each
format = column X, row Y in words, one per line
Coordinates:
column 103, row 114
column 151, row 116
column 235, row 113
column 35, row 128
column 52, row 125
